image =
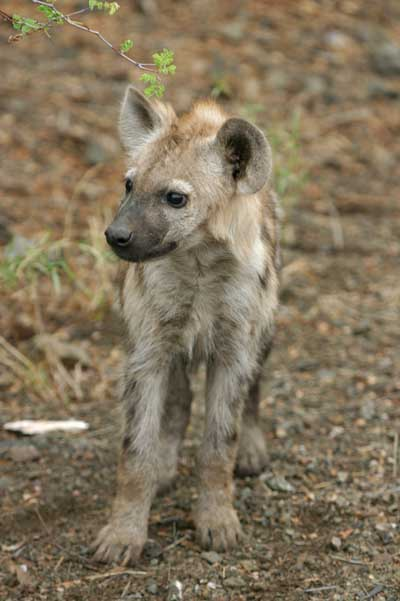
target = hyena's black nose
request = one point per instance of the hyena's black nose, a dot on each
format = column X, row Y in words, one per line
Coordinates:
column 118, row 236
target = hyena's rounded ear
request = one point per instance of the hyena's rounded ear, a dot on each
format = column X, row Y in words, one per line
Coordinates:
column 139, row 119
column 247, row 154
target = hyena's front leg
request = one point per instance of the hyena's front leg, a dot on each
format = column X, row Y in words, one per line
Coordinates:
column 122, row 540
column 174, row 422
column 216, row 520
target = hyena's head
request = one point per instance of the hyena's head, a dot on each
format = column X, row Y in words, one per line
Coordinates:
column 181, row 171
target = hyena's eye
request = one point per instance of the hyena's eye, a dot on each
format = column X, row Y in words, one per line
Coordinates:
column 176, row 199
column 128, row 185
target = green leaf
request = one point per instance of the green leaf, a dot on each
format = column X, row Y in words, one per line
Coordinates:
column 150, row 78
column 126, row 46
column 25, row 24
column 112, row 8
column 51, row 13
column 164, row 61
column 108, row 7
column 154, row 86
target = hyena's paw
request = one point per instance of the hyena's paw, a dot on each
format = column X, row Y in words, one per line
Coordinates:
column 119, row 543
column 252, row 454
column 217, row 527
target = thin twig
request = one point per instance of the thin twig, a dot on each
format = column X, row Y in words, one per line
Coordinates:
column 15, row 353
column 354, row 562
column 67, row 19
column 176, row 542
column 395, row 454
column 79, row 12
column 375, row 591
column 336, row 227
column 6, row 17
column 317, row 589
column 112, row 574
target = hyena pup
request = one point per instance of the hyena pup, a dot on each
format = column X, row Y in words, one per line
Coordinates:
column 197, row 227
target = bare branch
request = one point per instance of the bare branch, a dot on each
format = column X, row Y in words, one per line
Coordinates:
column 6, row 17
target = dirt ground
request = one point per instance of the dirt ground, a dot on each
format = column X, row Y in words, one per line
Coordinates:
column 323, row 522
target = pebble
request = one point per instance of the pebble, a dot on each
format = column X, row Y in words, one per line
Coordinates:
column 152, row 549
column 315, row 85
column 211, row 557
column 233, row 31
column 6, row 483
column 95, row 153
column 152, row 587
column 280, row 484
column 368, row 409
column 175, row 591
column 378, row 89
column 385, row 59
column 234, row 582
column 342, row 476
column 336, row 543
column 21, row 454
column 336, row 40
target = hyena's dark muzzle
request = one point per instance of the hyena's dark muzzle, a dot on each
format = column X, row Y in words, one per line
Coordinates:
column 137, row 234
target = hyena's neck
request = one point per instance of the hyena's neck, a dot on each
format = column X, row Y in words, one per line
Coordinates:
column 238, row 223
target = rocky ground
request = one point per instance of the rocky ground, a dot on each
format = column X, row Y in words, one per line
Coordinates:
column 323, row 522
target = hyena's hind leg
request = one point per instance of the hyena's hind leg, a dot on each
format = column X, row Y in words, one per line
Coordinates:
column 175, row 420
column 252, row 454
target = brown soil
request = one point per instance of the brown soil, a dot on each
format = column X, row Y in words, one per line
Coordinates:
column 331, row 404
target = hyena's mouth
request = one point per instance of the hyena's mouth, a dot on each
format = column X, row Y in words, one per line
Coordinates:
column 133, row 256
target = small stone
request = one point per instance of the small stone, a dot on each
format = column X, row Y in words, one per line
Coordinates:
column 278, row 79
column 378, row 89
column 259, row 585
column 336, row 543
column 248, row 565
column 337, row 40
column 152, row 549
column 152, row 587
column 6, row 483
column 234, row 582
column 175, row 591
column 367, row 409
column 211, row 557
column 281, row 432
column 233, row 31
column 21, row 454
column 363, row 327
column 385, row 59
column 342, row 476
column 246, row 493
column 327, row 376
column 96, row 153
column 280, row 484
column 314, row 84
